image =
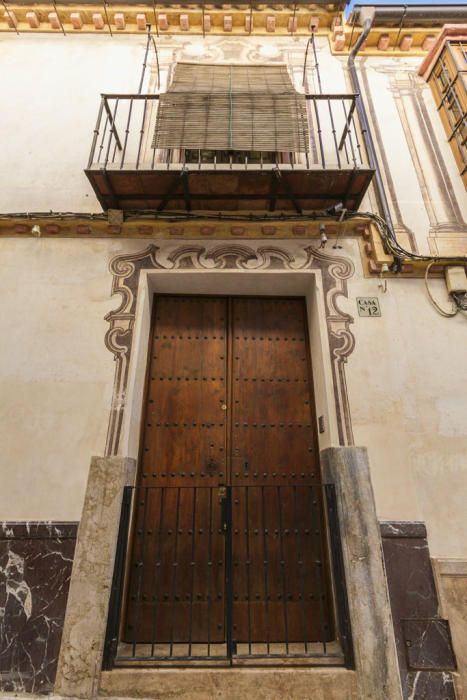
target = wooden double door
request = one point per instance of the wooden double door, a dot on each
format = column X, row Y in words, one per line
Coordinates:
column 228, row 533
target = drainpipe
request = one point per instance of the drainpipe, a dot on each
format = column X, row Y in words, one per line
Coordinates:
column 414, row 15
column 367, row 15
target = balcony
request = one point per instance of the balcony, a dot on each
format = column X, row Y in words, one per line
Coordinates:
column 128, row 170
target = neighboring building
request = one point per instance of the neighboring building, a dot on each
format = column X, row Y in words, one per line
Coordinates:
column 234, row 351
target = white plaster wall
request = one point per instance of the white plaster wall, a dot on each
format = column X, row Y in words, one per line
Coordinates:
column 406, row 377
column 49, row 101
column 407, row 382
column 50, row 96
column 51, row 87
column 55, row 373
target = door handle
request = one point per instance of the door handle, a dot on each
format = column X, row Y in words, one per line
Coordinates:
column 222, row 492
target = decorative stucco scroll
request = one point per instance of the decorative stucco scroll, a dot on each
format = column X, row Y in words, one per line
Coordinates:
column 126, row 269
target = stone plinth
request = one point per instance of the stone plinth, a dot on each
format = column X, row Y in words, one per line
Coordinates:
column 370, row 612
column 86, row 614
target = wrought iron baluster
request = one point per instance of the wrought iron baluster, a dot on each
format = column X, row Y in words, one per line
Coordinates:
column 300, row 570
column 140, row 565
column 342, row 604
column 112, row 130
column 319, row 130
column 209, row 570
column 101, row 145
column 174, row 575
column 228, row 574
column 96, row 133
column 153, row 144
column 359, row 147
column 315, row 533
column 333, row 128
column 282, row 565
column 192, row 564
column 157, row 568
column 344, row 136
column 349, row 134
column 265, row 570
column 116, row 594
column 247, row 566
column 141, row 132
column 127, row 131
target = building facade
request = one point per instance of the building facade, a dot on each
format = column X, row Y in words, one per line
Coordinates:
column 233, row 377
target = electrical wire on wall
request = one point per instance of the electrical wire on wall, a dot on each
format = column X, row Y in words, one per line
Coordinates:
column 391, row 245
column 448, row 314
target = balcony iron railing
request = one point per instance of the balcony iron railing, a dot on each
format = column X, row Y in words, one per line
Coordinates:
column 127, row 172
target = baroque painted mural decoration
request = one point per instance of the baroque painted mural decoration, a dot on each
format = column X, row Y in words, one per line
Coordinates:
column 126, row 269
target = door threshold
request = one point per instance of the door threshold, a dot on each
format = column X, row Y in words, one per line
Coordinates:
column 230, row 683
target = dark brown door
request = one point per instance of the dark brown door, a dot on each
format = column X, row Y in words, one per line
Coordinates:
column 229, row 409
column 278, row 568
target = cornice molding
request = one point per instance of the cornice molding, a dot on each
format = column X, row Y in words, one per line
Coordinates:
column 103, row 227
column 457, row 32
column 197, row 18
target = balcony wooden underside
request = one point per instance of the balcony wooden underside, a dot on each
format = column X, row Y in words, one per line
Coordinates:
column 229, row 190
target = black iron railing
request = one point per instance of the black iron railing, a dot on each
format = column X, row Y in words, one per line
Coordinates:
column 227, row 575
column 125, row 127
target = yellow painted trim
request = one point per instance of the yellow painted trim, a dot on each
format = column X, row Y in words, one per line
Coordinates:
column 56, row 227
column 195, row 15
column 419, row 35
column 372, row 251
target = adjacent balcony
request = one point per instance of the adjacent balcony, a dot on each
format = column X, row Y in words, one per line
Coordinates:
column 129, row 171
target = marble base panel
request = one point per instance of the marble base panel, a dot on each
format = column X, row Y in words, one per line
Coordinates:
column 230, row 684
column 35, row 567
column 451, row 579
column 423, row 639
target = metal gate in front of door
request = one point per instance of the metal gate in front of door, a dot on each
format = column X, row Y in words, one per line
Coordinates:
column 227, row 575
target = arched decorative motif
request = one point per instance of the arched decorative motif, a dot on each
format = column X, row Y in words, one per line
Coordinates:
column 126, row 270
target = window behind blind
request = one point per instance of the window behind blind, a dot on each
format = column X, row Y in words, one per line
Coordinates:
column 232, row 107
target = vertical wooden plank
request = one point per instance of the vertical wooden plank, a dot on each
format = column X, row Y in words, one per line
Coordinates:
column 274, row 449
column 175, row 591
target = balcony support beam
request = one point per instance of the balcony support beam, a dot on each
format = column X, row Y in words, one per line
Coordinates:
column 283, row 180
column 112, row 197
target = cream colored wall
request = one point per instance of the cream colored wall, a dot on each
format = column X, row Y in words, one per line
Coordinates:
column 406, row 378
column 50, row 97
column 406, row 382
column 49, row 100
column 55, row 373
column 54, row 83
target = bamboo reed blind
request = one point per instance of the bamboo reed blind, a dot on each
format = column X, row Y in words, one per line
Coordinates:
column 231, row 107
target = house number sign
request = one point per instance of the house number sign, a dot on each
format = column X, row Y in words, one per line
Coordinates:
column 368, row 306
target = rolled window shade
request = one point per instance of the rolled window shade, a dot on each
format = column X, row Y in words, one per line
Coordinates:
column 239, row 108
